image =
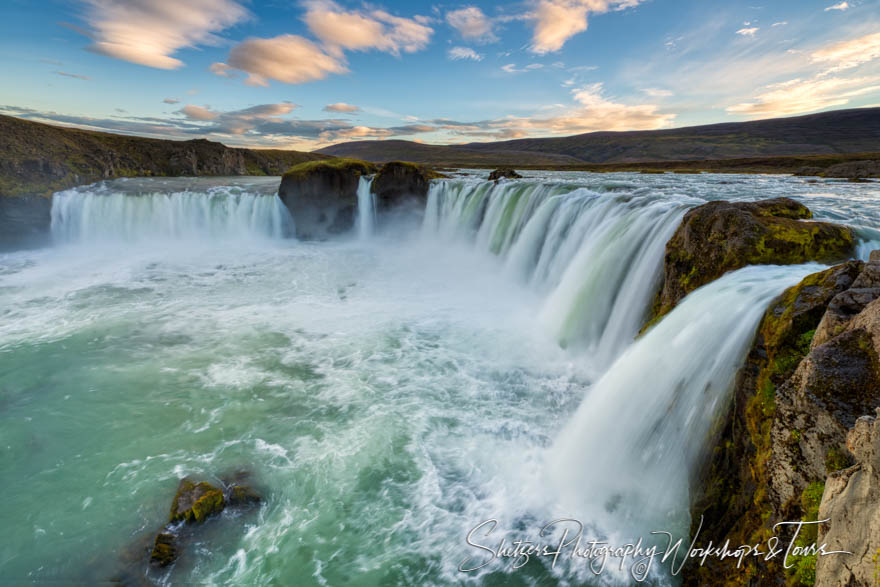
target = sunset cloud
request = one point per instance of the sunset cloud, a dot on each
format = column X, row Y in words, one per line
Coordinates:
column 801, row 96
column 149, row 32
column 340, row 30
column 839, row 6
column 848, row 54
column 341, row 107
column 73, row 75
column 198, row 112
column 559, row 20
column 286, row 58
column 472, row 24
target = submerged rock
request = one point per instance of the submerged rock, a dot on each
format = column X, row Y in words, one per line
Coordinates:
column 793, row 403
column 851, row 503
column 322, row 196
column 196, row 501
column 398, row 182
column 504, row 173
column 718, row 237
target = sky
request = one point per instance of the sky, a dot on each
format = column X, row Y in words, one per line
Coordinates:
column 307, row 74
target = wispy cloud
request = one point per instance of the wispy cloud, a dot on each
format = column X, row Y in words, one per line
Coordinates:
column 848, row 54
column 658, row 93
column 799, row 96
column 150, row 32
column 73, row 75
column 459, row 53
column 171, row 101
column 839, row 6
column 748, row 31
column 472, row 24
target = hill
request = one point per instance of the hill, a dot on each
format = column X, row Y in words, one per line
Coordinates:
column 827, row 133
column 38, row 159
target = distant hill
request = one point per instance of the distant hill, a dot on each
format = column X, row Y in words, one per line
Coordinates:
column 827, row 133
column 38, row 159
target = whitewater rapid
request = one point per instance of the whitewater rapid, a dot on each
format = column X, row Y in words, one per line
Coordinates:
column 388, row 394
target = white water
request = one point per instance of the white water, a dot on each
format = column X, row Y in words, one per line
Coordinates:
column 366, row 208
column 133, row 211
column 595, row 258
column 389, row 398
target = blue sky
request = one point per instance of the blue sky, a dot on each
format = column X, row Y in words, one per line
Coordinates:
column 308, row 74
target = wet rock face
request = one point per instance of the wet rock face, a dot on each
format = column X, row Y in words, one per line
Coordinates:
column 851, row 503
column 196, row 501
column 398, row 182
column 322, row 196
column 504, row 173
column 24, row 222
column 794, row 400
column 718, row 237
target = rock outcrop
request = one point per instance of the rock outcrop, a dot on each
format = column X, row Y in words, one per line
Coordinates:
column 851, row 504
column 398, row 183
column 812, row 372
column 24, row 222
column 322, row 196
column 718, row 237
column 504, row 173
column 854, row 169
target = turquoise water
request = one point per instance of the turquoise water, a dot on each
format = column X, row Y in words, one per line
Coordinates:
column 387, row 396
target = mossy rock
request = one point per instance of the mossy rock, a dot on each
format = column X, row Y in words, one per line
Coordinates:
column 504, row 173
column 165, row 550
column 196, row 501
column 399, row 181
column 718, row 237
column 322, row 196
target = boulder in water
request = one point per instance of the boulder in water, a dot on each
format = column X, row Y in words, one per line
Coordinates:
column 718, row 237
column 398, row 182
column 322, row 196
column 504, row 173
column 196, row 501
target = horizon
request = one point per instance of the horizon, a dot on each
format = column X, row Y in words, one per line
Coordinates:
column 308, row 75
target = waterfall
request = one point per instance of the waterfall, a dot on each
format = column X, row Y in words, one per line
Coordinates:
column 111, row 211
column 366, row 208
column 596, row 257
column 636, row 437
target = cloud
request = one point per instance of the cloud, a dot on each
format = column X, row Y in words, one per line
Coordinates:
column 171, row 101
column 839, row 6
column 361, row 31
column 221, row 69
column 512, row 68
column 73, row 75
column 286, row 58
column 781, row 23
column 800, row 96
column 559, row 20
column 658, row 93
column 341, row 107
column 198, row 113
column 848, row 54
column 149, row 32
column 472, row 24
column 459, row 53
column 748, row 32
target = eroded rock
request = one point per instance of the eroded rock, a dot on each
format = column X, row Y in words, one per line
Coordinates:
column 399, row 182
column 504, row 173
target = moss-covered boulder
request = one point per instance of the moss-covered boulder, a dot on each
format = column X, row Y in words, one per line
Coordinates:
column 786, row 425
column 718, row 237
column 399, row 182
column 196, row 501
column 322, row 196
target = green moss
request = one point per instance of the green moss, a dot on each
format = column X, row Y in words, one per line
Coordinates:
column 208, row 501
column 340, row 164
column 804, row 570
column 836, row 460
column 209, row 504
column 164, row 550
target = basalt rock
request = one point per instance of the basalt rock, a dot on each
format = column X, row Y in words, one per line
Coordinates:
column 851, row 503
column 398, row 183
column 504, row 173
column 24, row 222
column 786, row 429
column 322, row 196
column 718, row 237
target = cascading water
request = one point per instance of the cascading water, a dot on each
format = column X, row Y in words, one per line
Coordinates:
column 642, row 427
column 366, row 208
column 595, row 257
column 121, row 211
